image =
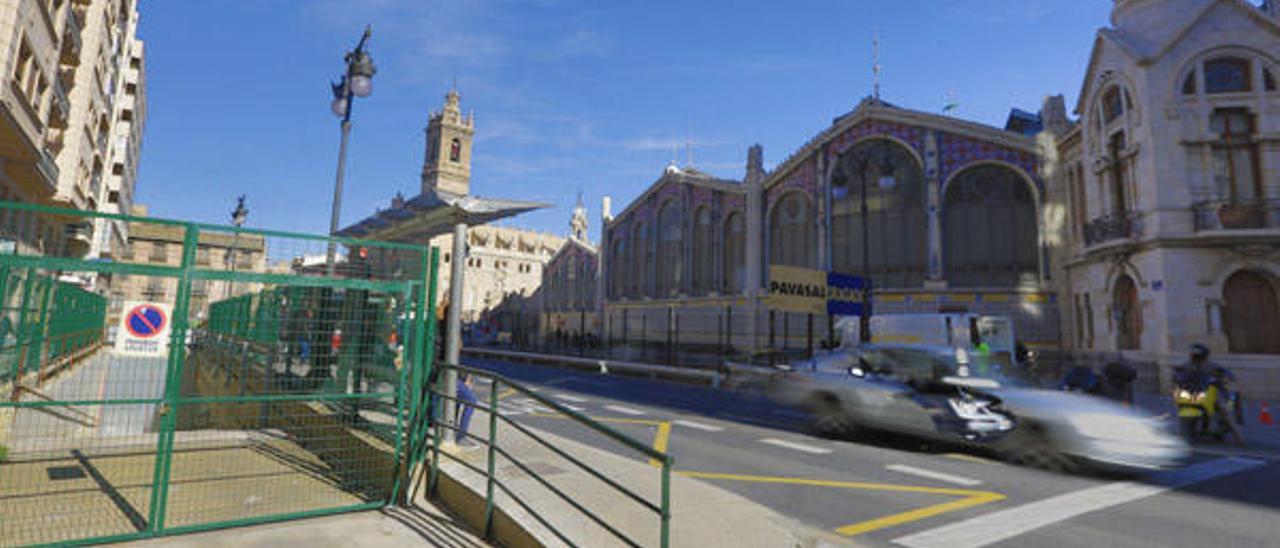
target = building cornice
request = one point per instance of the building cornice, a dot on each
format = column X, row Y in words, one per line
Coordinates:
column 869, row 111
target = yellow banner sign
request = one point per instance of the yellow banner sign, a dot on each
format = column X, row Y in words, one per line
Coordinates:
column 797, row 289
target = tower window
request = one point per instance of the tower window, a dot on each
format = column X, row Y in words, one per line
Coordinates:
column 1189, row 85
column 1112, row 106
column 455, row 150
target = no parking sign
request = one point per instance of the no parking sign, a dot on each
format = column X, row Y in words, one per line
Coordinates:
column 144, row 329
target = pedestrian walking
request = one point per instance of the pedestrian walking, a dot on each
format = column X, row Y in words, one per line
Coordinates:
column 466, row 406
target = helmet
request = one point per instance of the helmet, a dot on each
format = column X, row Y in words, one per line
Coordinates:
column 1199, row 351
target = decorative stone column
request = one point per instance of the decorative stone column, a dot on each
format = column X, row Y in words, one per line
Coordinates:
column 933, row 205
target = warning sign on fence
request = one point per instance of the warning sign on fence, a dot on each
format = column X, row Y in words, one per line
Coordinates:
column 144, row 329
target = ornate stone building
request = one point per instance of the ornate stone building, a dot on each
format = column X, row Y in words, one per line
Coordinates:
column 953, row 223
column 567, row 299
column 500, row 261
column 1170, row 185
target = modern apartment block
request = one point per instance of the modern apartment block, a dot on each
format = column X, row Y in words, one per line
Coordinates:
column 65, row 103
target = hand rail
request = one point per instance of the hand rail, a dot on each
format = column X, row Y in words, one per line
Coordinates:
column 498, row 381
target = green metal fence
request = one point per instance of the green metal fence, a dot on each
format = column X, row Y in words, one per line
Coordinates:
column 281, row 389
column 44, row 325
column 500, row 449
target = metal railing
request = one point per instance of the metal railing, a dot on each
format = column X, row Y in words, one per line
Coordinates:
column 494, row 449
column 1113, row 226
column 1234, row 215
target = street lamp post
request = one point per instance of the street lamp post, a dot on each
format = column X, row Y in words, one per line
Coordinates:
column 357, row 81
column 238, row 217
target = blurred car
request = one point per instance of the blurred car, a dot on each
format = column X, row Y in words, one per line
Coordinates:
column 950, row 395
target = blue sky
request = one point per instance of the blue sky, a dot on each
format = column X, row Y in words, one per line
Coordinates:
column 569, row 95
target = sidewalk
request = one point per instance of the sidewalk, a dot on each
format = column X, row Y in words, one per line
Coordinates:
column 423, row 525
column 702, row 514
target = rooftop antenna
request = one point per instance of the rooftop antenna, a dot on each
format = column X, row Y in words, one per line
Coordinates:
column 876, row 67
column 950, row 103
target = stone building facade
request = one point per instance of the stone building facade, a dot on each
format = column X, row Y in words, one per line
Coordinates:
column 63, row 97
column 954, row 222
column 567, row 298
column 1170, row 185
column 501, row 261
column 162, row 244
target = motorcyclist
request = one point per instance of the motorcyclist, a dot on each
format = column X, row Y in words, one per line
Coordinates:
column 1200, row 370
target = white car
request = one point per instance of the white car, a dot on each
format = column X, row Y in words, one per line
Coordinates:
column 948, row 395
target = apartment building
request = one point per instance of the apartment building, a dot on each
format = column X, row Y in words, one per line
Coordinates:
column 66, row 69
column 162, row 244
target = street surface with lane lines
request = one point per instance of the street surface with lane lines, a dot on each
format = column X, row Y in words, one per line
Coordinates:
column 857, row 488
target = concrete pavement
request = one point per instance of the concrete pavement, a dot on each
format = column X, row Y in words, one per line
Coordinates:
column 703, row 513
column 392, row 527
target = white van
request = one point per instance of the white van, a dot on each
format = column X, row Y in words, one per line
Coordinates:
column 933, row 330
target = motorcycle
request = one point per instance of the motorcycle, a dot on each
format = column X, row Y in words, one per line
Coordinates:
column 1203, row 403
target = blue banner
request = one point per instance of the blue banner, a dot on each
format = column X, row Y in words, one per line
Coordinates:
column 845, row 294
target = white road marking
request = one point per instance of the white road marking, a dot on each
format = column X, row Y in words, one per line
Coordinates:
column 624, row 410
column 569, row 397
column 698, row 426
column 997, row 526
column 959, row 480
column 795, row 446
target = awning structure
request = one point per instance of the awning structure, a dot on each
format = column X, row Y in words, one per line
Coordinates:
column 434, row 213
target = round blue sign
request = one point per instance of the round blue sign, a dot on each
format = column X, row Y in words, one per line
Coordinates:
column 145, row 321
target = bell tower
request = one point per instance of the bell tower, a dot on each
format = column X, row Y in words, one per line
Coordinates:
column 447, row 166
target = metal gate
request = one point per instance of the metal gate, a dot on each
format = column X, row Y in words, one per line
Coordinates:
column 206, row 377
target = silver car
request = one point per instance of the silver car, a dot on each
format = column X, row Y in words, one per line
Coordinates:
column 949, row 395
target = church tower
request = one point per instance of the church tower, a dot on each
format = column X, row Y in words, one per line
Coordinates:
column 447, row 166
column 578, row 223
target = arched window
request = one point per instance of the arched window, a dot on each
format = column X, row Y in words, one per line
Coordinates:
column 1235, row 155
column 704, row 256
column 1251, row 316
column 670, row 250
column 1112, row 104
column 990, row 230
column 1126, row 314
column 735, row 254
column 618, row 269
column 1227, row 75
column 895, row 220
column 455, row 150
column 792, row 238
column 641, row 255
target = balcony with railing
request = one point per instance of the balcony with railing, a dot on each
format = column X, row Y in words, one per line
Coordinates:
column 72, row 45
column 61, row 112
column 1237, row 215
column 1122, row 225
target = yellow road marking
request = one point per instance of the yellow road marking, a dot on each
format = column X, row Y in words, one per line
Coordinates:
column 660, row 441
column 506, row 393
column 917, row 514
column 969, row 458
column 968, row 497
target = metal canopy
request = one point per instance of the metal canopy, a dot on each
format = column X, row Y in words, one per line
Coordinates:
column 433, row 213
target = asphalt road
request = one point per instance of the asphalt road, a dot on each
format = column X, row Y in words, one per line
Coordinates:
column 900, row 492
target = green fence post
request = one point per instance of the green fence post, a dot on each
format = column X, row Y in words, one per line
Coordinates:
column 493, row 453
column 172, row 384
column 20, row 347
column 43, row 325
column 666, row 503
